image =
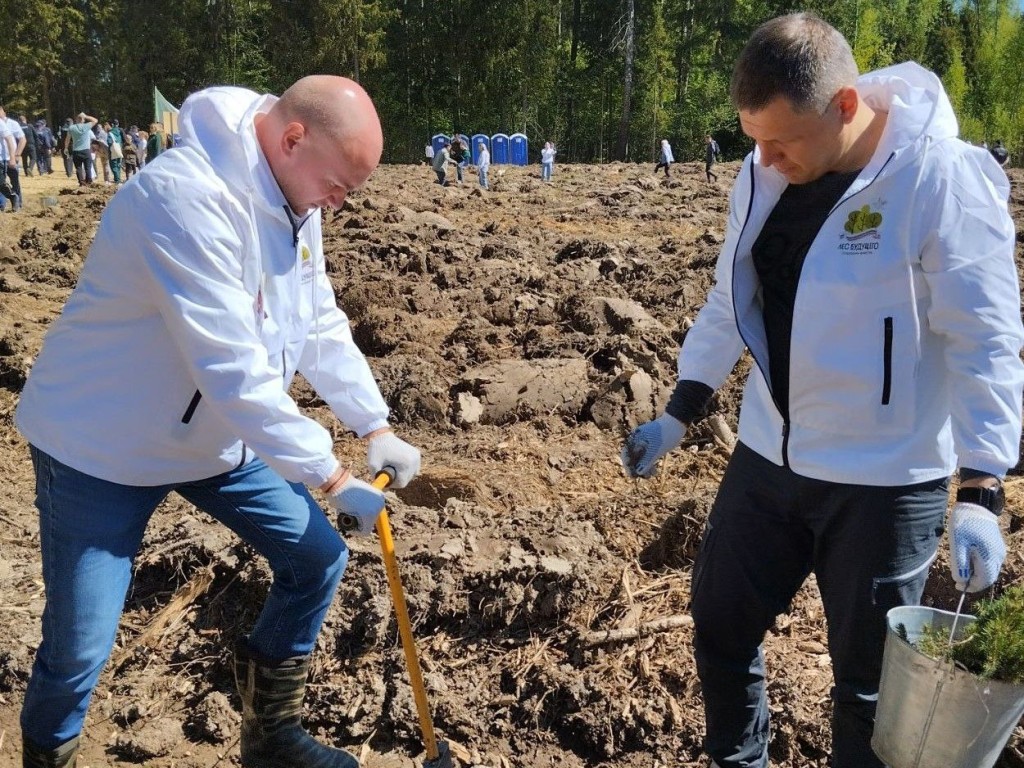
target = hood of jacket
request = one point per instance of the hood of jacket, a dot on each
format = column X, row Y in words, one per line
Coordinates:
column 218, row 124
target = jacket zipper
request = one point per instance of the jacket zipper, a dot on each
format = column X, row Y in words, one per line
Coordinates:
column 735, row 312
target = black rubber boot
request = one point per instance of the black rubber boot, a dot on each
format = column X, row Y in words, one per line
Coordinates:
column 272, row 732
column 61, row 757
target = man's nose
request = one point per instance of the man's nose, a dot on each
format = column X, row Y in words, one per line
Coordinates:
column 769, row 157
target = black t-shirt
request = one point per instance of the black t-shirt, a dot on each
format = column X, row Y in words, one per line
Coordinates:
column 779, row 253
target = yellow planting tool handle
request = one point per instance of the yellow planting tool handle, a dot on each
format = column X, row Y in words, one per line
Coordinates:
column 419, row 690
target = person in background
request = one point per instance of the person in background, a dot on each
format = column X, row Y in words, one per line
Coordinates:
column 156, row 143
column 665, row 159
column 483, row 163
column 547, row 161
column 7, row 150
column 440, row 164
column 115, row 150
column 14, row 168
column 142, row 147
column 64, row 139
column 868, row 267
column 28, row 156
column 45, row 144
column 101, row 153
column 429, row 153
column 204, row 292
column 711, row 153
column 131, row 156
column 459, row 153
column 999, row 153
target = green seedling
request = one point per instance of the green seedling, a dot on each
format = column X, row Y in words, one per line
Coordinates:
column 992, row 647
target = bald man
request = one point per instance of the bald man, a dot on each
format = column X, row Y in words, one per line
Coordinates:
column 203, row 294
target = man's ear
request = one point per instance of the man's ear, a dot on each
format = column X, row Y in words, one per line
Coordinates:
column 292, row 134
column 848, row 101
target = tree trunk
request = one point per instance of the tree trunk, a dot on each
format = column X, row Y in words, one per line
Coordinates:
column 622, row 146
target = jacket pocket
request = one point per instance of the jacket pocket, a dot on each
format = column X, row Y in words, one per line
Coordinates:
column 192, row 405
column 887, row 361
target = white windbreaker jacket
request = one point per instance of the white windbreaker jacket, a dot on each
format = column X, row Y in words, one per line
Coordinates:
column 905, row 349
column 199, row 300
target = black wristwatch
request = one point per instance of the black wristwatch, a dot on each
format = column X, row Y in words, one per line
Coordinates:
column 991, row 499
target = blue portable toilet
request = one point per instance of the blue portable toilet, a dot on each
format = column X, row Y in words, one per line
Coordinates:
column 499, row 149
column 520, row 146
column 439, row 141
column 477, row 138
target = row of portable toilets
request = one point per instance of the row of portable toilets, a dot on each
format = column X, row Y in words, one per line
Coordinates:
column 504, row 149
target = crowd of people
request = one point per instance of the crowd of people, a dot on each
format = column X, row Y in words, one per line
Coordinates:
column 88, row 147
column 91, row 148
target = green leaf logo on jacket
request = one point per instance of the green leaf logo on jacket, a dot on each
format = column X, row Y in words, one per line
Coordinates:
column 862, row 220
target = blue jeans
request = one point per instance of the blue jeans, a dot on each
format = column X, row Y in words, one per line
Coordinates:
column 870, row 548
column 545, row 171
column 458, row 170
column 90, row 531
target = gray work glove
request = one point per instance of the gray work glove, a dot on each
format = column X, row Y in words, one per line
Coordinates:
column 649, row 442
column 358, row 505
column 976, row 547
column 389, row 450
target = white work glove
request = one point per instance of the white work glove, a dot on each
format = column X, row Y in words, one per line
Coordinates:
column 976, row 547
column 389, row 450
column 357, row 504
column 649, row 442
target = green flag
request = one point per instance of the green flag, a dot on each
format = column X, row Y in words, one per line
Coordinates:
column 164, row 112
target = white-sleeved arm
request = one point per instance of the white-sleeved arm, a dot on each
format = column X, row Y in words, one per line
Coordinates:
column 713, row 345
column 975, row 304
column 337, row 368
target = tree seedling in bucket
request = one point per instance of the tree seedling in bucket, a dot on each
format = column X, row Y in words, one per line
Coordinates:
column 992, row 647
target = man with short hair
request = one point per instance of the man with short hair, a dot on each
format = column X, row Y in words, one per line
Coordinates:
column 78, row 141
column 868, row 268
column 204, row 292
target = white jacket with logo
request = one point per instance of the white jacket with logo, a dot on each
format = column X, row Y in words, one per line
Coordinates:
column 198, row 302
column 905, row 348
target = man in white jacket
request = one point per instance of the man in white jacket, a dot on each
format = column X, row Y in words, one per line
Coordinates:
column 203, row 293
column 868, row 268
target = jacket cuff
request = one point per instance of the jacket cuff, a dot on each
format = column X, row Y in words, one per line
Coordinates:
column 689, row 401
column 366, row 429
column 322, row 471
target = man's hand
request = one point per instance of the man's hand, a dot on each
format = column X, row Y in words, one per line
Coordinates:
column 649, row 442
column 357, row 504
column 976, row 547
column 386, row 449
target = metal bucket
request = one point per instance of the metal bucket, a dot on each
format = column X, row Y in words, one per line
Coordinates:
column 931, row 714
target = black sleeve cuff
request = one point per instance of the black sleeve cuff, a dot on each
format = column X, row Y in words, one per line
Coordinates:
column 689, row 401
